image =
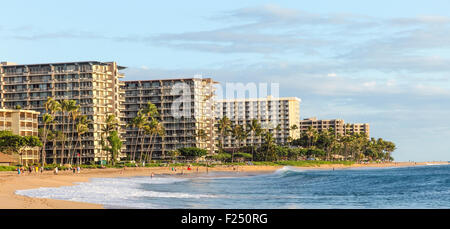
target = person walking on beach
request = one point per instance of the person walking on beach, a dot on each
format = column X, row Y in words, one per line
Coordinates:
column 18, row 171
column 55, row 171
column 151, row 176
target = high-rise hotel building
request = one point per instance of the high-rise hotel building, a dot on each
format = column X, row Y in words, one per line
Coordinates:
column 186, row 110
column 94, row 85
column 270, row 112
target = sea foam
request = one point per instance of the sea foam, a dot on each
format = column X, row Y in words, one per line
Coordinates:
column 118, row 192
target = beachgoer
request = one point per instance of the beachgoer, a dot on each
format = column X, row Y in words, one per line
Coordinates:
column 78, row 169
column 73, row 170
column 151, row 176
column 18, row 171
column 42, row 169
column 56, row 171
column 37, row 169
column 29, row 169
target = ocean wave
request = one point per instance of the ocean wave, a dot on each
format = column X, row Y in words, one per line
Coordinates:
column 288, row 169
column 123, row 192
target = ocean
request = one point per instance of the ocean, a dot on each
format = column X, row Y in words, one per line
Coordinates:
column 287, row 188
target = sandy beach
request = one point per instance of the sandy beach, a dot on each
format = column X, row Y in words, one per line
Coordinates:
column 11, row 181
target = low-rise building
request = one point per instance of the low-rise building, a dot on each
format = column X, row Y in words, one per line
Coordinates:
column 23, row 123
column 338, row 125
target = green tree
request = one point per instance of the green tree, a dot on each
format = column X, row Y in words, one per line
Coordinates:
column 52, row 107
column 153, row 129
column 82, row 128
column 47, row 120
column 138, row 122
column 111, row 124
column 192, row 152
column 224, row 127
column 239, row 134
column 115, row 144
column 67, row 108
column 255, row 129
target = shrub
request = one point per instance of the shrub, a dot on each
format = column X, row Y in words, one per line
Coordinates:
column 243, row 155
column 8, row 168
column 192, row 152
column 221, row 157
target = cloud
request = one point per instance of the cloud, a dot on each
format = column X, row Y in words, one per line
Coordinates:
column 332, row 75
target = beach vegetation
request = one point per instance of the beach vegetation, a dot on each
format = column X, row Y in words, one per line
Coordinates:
column 220, row 157
column 8, row 168
column 192, row 152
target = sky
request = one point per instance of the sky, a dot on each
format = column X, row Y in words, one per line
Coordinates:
column 383, row 62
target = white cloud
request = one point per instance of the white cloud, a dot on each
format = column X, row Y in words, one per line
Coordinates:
column 332, row 75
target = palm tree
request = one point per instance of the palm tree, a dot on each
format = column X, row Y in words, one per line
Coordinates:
column 269, row 142
column 111, row 124
column 150, row 113
column 47, row 119
column 239, row 134
column 57, row 136
column 74, row 114
column 82, row 128
column 154, row 129
column 138, row 122
column 312, row 135
column 224, row 125
column 255, row 129
column 67, row 107
column 52, row 106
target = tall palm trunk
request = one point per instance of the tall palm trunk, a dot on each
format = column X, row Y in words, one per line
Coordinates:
column 63, row 143
column 150, row 149
column 141, row 148
column 43, row 144
column 72, row 146
column 136, row 144
column 54, row 145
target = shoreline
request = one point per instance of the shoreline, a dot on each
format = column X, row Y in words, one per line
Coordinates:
column 10, row 182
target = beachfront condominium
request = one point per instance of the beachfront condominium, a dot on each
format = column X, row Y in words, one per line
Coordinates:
column 23, row 123
column 277, row 115
column 94, row 85
column 338, row 125
column 185, row 108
